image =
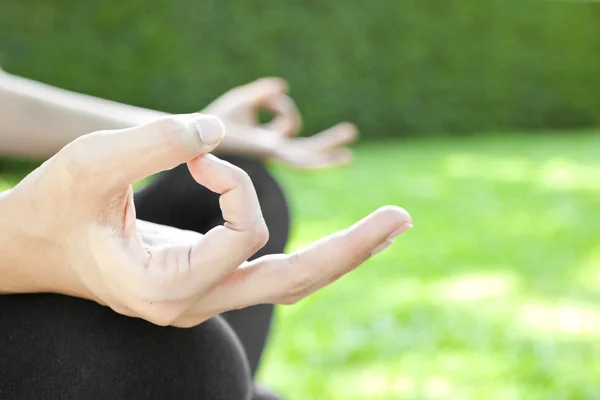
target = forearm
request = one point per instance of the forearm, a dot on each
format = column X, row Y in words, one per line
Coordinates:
column 248, row 141
column 38, row 119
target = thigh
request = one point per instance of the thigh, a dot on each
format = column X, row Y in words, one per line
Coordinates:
column 58, row 347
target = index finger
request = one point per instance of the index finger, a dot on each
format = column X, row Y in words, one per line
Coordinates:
column 285, row 279
column 225, row 247
column 271, row 94
column 286, row 116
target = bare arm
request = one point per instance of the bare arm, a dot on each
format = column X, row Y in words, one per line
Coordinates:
column 37, row 120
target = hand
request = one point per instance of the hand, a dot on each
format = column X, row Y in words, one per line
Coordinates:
column 70, row 227
column 239, row 110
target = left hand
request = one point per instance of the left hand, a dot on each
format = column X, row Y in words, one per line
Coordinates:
column 239, row 109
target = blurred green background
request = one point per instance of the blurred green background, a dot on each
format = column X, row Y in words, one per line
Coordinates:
column 394, row 67
column 477, row 117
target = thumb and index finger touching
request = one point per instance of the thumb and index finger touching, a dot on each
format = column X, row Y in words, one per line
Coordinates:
column 108, row 162
column 271, row 94
column 122, row 157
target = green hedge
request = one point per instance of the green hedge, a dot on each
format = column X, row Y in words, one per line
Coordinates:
column 395, row 67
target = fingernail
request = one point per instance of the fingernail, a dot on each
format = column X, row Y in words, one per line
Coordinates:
column 404, row 228
column 382, row 247
column 210, row 128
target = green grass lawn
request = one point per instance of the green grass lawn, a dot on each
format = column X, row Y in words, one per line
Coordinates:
column 494, row 294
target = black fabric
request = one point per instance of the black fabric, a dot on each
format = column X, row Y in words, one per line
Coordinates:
column 59, row 347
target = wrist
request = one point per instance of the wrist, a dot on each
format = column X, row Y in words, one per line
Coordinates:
column 29, row 263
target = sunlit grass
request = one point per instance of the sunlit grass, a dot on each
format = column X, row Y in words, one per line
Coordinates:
column 495, row 293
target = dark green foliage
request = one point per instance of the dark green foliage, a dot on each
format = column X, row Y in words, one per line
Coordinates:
column 394, row 67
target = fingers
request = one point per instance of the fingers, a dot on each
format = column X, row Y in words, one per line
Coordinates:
column 317, row 160
column 226, row 247
column 186, row 271
column 121, row 157
column 271, row 94
column 288, row 278
column 257, row 91
column 338, row 135
column 286, row 117
column 333, row 256
column 323, row 150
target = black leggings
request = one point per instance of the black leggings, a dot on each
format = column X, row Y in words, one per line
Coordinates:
column 59, row 347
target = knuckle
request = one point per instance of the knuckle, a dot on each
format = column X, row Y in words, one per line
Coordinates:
column 256, row 236
column 160, row 320
column 260, row 236
column 299, row 283
column 235, row 92
column 161, row 314
column 281, row 84
column 176, row 134
column 240, row 178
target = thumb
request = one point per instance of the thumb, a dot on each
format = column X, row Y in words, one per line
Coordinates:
column 121, row 157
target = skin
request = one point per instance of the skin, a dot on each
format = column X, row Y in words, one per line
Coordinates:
column 70, row 226
column 62, row 116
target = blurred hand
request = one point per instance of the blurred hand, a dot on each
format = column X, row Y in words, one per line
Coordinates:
column 70, row 227
column 241, row 106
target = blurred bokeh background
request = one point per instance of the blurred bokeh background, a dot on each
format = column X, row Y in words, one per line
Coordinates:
column 482, row 118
